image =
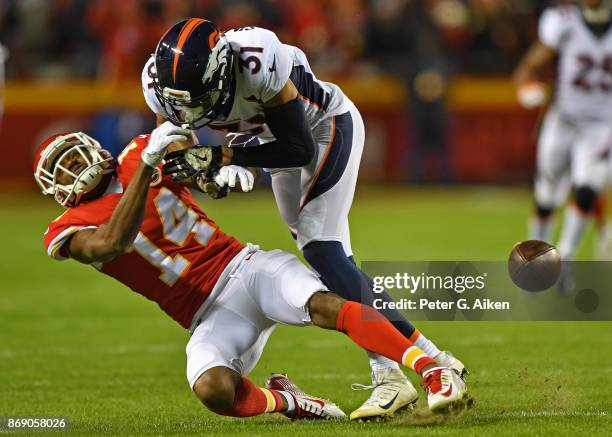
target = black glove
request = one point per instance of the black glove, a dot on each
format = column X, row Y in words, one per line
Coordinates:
column 184, row 164
column 210, row 187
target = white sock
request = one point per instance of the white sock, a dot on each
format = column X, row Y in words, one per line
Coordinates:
column 426, row 346
column 290, row 401
column 378, row 362
column 540, row 229
column 573, row 228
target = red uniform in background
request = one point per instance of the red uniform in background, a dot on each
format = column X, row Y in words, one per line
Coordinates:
column 179, row 253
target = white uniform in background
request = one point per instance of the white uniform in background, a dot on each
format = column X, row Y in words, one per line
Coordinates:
column 313, row 200
column 575, row 138
column 576, row 132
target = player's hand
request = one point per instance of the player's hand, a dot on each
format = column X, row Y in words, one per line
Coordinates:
column 183, row 164
column 160, row 139
column 211, row 188
column 228, row 175
column 532, row 95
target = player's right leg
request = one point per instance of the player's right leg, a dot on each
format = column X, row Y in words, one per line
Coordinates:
column 552, row 183
column 590, row 157
column 287, row 292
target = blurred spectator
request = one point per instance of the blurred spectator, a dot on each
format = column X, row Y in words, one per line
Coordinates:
column 404, row 40
column 111, row 38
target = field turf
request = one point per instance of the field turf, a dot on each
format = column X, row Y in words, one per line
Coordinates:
column 75, row 343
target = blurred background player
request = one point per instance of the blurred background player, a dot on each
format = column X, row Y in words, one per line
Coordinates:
column 309, row 136
column 576, row 133
column 145, row 230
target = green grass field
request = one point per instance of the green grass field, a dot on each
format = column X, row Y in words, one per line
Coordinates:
column 75, row 343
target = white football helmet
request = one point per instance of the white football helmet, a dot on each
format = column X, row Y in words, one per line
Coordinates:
column 50, row 161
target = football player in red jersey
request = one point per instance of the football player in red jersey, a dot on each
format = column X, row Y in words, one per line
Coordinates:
column 145, row 230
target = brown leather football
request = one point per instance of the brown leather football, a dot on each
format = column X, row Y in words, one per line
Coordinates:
column 534, row 265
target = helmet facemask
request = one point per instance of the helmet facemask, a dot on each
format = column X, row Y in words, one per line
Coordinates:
column 53, row 164
column 199, row 111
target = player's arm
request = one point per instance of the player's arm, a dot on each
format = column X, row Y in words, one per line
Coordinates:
column 534, row 63
column 529, row 75
column 117, row 236
column 294, row 145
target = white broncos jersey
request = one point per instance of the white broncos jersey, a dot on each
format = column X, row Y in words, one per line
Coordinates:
column 262, row 66
column 584, row 83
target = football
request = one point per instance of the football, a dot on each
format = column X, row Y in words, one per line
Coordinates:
column 534, row 265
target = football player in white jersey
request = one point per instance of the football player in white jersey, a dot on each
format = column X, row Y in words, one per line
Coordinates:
column 307, row 134
column 575, row 138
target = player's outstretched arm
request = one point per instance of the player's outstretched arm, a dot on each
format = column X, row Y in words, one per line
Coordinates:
column 117, row 236
column 531, row 92
column 531, row 67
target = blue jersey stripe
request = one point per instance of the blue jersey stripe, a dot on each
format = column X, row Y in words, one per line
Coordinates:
column 334, row 166
column 308, row 87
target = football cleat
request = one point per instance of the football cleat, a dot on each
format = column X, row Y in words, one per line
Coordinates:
column 391, row 392
column 306, row 407
column 447, row 359
column 446, row 391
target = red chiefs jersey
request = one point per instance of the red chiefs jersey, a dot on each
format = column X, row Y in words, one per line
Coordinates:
column 179, row 252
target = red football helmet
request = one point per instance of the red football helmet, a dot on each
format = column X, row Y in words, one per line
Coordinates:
column 49, row 160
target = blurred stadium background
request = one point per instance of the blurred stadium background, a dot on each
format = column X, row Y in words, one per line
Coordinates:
column 430, row 76
column 432, row 79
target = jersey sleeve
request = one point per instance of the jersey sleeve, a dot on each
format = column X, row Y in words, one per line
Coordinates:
column 277, row 73
column 264, row 63
column 552, row 27
column 58, row 233
column 147, row 88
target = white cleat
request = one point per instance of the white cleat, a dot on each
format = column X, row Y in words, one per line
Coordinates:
column 447, row 359
column 306, row 407
column 446, row 391
column 391, row 392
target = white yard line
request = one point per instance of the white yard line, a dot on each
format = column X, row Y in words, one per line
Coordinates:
column 531, row 413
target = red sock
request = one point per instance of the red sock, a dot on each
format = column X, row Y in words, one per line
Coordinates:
column 370, row 330
column 252, row 401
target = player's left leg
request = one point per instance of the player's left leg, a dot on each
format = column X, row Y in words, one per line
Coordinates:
column 589, row 171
